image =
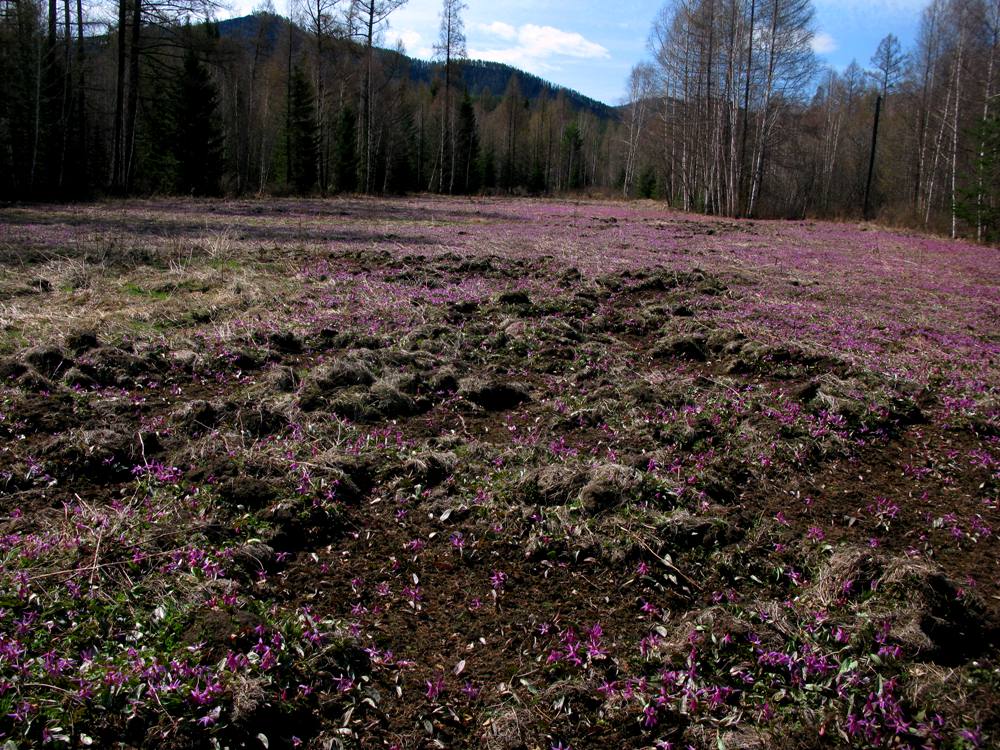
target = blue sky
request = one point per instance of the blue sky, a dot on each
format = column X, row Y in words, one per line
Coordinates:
column 590, row 45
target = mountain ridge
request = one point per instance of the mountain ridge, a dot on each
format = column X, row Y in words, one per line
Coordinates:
column 478, row 76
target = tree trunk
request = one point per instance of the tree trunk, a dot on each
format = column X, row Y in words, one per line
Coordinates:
column 871, row 162
column 320, row 103
column 67, row 91
column 744, row 171
column 288, row 103
column 133, row 95
column 954, row 136
column 932, row 176
column 81, row 103
column 117, row 181
column 369, row 104
column 987, row 99
column 37, row 129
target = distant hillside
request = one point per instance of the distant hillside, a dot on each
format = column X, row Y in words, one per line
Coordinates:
column 479, row 76
column 482, row 75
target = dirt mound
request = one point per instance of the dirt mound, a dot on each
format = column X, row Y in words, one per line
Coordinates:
column 100, row 454
column 610, row 485
column 47, row 360
column 325, row 381
column 492, row 394
column 932, row 616
column 555, row 484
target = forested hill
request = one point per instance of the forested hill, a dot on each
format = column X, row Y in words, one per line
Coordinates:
column 479, row 76
column 482, row 76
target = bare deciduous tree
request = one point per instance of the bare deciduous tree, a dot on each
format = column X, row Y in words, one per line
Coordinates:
column 450, row 49
column 369, row 15
column 640, row 91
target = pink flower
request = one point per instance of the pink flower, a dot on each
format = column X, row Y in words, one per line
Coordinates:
column 435, row 687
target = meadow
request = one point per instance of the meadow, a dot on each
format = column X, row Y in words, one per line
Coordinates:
column 505, row 474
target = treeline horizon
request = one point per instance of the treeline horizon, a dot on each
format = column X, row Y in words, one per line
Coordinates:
column 732, row 115
column 313, row 106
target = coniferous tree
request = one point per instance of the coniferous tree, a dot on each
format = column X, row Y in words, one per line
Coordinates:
column 732, row 122
column 302, row 134
column 536, row 182
column 467, row 147
column 401, row 145
column 647, row 183
column 158, row 149
column 979, row 203
column 20, row 40
column 52, row 125
column 346, row 151
column 487, row 168
column 572, row 154
column 511, row 109
column 197, row 136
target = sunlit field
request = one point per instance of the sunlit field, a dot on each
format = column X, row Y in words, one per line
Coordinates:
column 472, row 473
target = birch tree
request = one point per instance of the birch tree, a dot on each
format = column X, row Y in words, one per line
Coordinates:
column 640, row 92
column 370, row 15
column 450, row 49
column 321, row 20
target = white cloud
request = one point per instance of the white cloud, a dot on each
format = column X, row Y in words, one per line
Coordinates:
column 536, row 48
column 548, row 40
column 824, row 44
column 412, row 42
column 498, row 28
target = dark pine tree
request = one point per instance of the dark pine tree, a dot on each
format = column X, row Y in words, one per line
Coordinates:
column 467, row 148
column 197, row 136
column 401, row 159
column 487, row 169
column 647, row 187
column 573, row 156
column 345, row 151
column 51, row 156
column 536, row 182
column 20, row 50
column 978, row 205
column 158, row 149
column 509, row 175
column 303, row 143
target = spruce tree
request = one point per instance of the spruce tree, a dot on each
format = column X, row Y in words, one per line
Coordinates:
column 487, row 168
column 647, row 182
column 20, row 105
column 978, row 205
column 158, row 149
column 303, row 133
column 401, row 156
column 536, row 181
column 573, row 156
column 197, row 136
column 467, row 147
column 346, row 151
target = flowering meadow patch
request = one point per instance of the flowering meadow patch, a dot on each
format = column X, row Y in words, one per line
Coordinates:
column 434, row 472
